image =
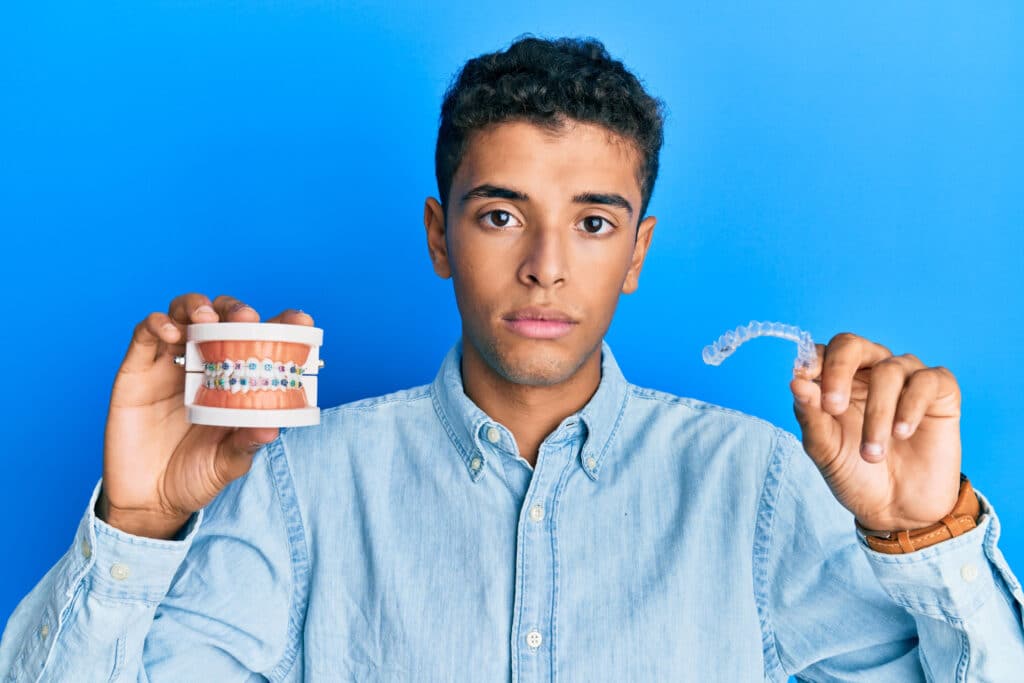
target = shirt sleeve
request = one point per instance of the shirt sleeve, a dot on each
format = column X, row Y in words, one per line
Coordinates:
column 213, row 604
column 834, row 609
column 964, row 599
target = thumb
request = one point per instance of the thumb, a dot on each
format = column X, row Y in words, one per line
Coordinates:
column 236, row 451
column 818, row 428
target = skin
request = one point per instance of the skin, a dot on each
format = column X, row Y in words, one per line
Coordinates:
column 539, row 249
column 543, row 255
column 913, row 482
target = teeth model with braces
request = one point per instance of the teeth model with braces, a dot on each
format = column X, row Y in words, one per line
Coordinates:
column 252, row 374
column 726, row 345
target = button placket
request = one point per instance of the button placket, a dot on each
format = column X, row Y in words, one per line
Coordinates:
column 536, row 591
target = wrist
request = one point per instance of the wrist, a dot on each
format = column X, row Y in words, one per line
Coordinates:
column 142, row 523
column 961, row 519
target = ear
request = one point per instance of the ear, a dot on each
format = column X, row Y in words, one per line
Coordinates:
column 643, row 241
column 437, row 243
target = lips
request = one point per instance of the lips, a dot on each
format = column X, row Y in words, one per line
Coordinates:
column 539, row 313
column 536, row 322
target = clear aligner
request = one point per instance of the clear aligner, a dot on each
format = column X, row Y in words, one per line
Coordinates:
column 725, row 345
column 252, row 374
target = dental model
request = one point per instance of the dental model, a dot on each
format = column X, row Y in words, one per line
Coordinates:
column 727, row 344
column 252, row 374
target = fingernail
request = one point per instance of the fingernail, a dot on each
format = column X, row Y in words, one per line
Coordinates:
column 204, row 310
column 168, row 328
column 902, row 428
column 239, row 306
column 871, row 448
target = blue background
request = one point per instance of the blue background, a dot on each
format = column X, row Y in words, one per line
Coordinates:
column 841, row 168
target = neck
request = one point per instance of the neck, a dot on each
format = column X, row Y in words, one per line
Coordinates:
column 530, row 412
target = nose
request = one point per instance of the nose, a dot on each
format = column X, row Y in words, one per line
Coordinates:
column 545, row 262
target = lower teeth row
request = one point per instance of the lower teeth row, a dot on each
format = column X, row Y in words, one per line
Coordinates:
column 252, row 375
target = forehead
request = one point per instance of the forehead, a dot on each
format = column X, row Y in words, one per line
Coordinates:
column 580, row 156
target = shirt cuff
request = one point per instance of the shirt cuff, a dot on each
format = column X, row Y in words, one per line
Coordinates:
column 123, row 566
column 951, row 579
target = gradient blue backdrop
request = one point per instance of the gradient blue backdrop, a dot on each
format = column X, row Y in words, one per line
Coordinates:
column 842, row 168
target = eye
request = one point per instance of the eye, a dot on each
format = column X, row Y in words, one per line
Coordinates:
column 498, row 218
column 593, row 224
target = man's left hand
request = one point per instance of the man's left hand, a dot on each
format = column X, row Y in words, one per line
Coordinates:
column 911, row 481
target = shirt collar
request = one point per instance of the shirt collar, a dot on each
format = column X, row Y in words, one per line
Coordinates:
column 468, row 426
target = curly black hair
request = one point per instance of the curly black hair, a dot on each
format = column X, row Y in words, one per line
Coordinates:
column 545, row 82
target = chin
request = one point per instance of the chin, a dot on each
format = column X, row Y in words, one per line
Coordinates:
column 530, row 361
column 537, row 371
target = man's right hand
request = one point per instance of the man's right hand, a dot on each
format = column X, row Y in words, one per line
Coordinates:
column 157, row 468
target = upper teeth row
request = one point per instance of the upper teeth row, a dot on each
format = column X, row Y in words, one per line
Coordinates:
column 252, row 375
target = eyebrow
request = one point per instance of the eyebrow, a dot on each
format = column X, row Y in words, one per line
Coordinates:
column 487, row 191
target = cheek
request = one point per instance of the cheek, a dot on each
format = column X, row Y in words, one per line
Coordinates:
column 603, row 269
column 479, row 281
column 479, row 261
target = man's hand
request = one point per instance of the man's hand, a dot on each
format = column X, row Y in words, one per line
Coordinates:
column 911, row 479
column 157, row 467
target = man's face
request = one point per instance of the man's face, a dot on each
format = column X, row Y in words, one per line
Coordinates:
column 540, row 220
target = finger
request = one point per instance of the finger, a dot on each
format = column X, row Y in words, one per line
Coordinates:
column 156, row 330
column 821, row 433
column 235, row 452
column 191, row 308
column 845, row 355
column 232, row 310
column 885, row 385
column 922, row 389
column 292, row 316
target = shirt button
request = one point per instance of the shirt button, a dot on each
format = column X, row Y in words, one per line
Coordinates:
column 533, row 638
column 591, row 463
column 86, row 548
column 474, row 464
column 44, row 631
column 119, row 571
column 537, row 512
column 493, row 435
column 969, row 572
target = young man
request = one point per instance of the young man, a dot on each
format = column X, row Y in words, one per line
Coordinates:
column 530, row 515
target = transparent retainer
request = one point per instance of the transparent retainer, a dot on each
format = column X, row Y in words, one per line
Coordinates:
column 201, row 334
column 726, row 345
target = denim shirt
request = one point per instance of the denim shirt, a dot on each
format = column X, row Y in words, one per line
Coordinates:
column 658, row 538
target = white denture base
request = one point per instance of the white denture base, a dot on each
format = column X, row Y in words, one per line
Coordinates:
column 239, row 417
